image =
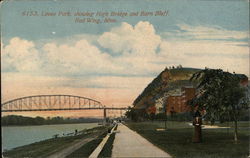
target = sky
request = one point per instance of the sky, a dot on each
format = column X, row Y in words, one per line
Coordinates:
column 113, row 62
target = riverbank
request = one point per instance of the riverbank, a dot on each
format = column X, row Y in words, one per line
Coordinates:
column 177, row 139
column 90, row 149
column 48, row 147
column 13, row 137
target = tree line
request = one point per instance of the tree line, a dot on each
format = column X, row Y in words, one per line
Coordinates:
column 23, row 120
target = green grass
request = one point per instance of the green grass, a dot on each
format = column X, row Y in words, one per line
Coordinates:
column 160, row 124
column 177, row 140
column 107, row 149
column 231, row 124
column 47, row 147
column 243, row 127
column 88, row 148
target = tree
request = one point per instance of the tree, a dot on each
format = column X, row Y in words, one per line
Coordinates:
column 136, row 114
column 179, row 66
column 152, row 116
column 220, row 95
column 131, row 114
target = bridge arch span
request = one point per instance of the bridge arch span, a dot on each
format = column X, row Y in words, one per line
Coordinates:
column 50, row 102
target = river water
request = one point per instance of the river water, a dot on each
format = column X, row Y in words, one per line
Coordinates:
column 15, row 136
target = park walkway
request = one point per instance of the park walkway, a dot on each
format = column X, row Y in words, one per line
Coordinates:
column 128, row 143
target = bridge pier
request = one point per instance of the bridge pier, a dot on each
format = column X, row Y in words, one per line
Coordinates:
column 104, row 115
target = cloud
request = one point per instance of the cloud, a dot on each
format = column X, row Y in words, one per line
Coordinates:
column 20, row 55
column 213, row 54
column 135, row 47
column 224, row 49
column 206, row 33
column 69, row 40
column 127, row 50
column 119, row 82
column 109, row 82
column 140, row 39
column 80, row 57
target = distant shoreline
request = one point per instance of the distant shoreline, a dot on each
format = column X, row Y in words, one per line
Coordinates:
column 18, row 120
column 45, row 124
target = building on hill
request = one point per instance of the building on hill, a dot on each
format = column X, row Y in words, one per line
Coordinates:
column 151, row 110
column 178, row 103
column 243, row 80
column 174, row 102
column 159, row 105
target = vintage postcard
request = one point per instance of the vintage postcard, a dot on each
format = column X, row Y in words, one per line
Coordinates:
column 125, row 78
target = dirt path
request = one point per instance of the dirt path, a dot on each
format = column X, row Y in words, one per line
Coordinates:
column 128, row 143
column 67, row 151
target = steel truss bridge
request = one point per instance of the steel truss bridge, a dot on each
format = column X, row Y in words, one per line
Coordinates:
column 54, row 103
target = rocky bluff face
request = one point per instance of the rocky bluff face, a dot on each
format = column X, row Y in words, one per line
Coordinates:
column 173, row 78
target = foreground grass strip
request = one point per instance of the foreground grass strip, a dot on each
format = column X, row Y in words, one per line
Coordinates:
column 107, row 149
column 88, row 148
column 217, row 143
column 50, row 146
